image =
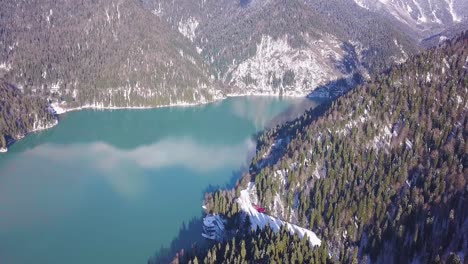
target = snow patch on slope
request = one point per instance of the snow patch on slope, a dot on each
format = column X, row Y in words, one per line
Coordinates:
column 382, row 139
column 213, row 227
column 40, row 125
column 5, row 66
column 188, row 28
column 129, row 95
column 362, row 4
column 417, row 12
column 261, row 220
column 451, row 9
column 421, row 16
column 62, row 108
column 403, row 53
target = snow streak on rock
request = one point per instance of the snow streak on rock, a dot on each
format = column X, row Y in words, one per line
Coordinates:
column 419, row 12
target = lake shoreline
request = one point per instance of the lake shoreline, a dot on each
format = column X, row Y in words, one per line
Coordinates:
column 130, row 163
column 61, row 109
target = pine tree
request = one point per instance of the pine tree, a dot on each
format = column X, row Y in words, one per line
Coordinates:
column 243, row 250
column 2, row 141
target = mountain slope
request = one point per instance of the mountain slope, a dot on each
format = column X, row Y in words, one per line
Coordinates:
column 380, row 175
column 425, row 17
column 103, row 53
column 288, row 47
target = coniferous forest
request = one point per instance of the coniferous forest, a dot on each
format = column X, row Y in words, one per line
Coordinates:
column 108, row 54
column 20, row 114
column 379, row 175
column 378, row 172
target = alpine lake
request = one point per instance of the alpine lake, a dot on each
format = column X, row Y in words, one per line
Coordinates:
column 119, row 186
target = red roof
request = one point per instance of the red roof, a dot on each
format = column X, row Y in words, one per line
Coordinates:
column 259, row 208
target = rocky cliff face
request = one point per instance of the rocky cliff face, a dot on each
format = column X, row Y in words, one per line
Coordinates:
column 278, row 68
column 285, row 47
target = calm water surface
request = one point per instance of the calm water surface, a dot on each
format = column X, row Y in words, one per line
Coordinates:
column 115, row 186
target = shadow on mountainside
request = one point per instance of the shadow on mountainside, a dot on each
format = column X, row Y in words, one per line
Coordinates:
column 235, row 176
column 189, row 238
column 322, row 94
column 306, row 113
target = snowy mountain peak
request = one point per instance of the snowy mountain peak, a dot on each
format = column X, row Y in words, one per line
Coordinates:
column 420, row 13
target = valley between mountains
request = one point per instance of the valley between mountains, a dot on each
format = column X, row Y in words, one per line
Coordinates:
column 141, row 54
column 373, row 171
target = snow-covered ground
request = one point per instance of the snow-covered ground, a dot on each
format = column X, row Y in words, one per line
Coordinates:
column 61, row 108
column 38, row 126
column 261, row 220
column 296, row 94
column 213, row 227
column 5, row 66
column 418, row 12
column 188, row 28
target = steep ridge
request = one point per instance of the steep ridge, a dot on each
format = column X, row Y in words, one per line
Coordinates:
column 285, row 47
column 378, row 177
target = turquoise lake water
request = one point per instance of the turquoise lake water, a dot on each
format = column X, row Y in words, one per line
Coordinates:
column 116, row 186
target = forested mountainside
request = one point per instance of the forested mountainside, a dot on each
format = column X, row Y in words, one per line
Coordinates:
column 20, row 114
column 424, row 17
column 262, row 246
column 100, row 53
column 379, row 175
column 288, row 47
column 134, row 53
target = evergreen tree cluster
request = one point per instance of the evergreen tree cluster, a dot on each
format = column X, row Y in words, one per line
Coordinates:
column 229, row 31
column 111, row 53
column 19, row 113
column 131, row 53
column 259, row 246
column 381, row 173
column 221, row 202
